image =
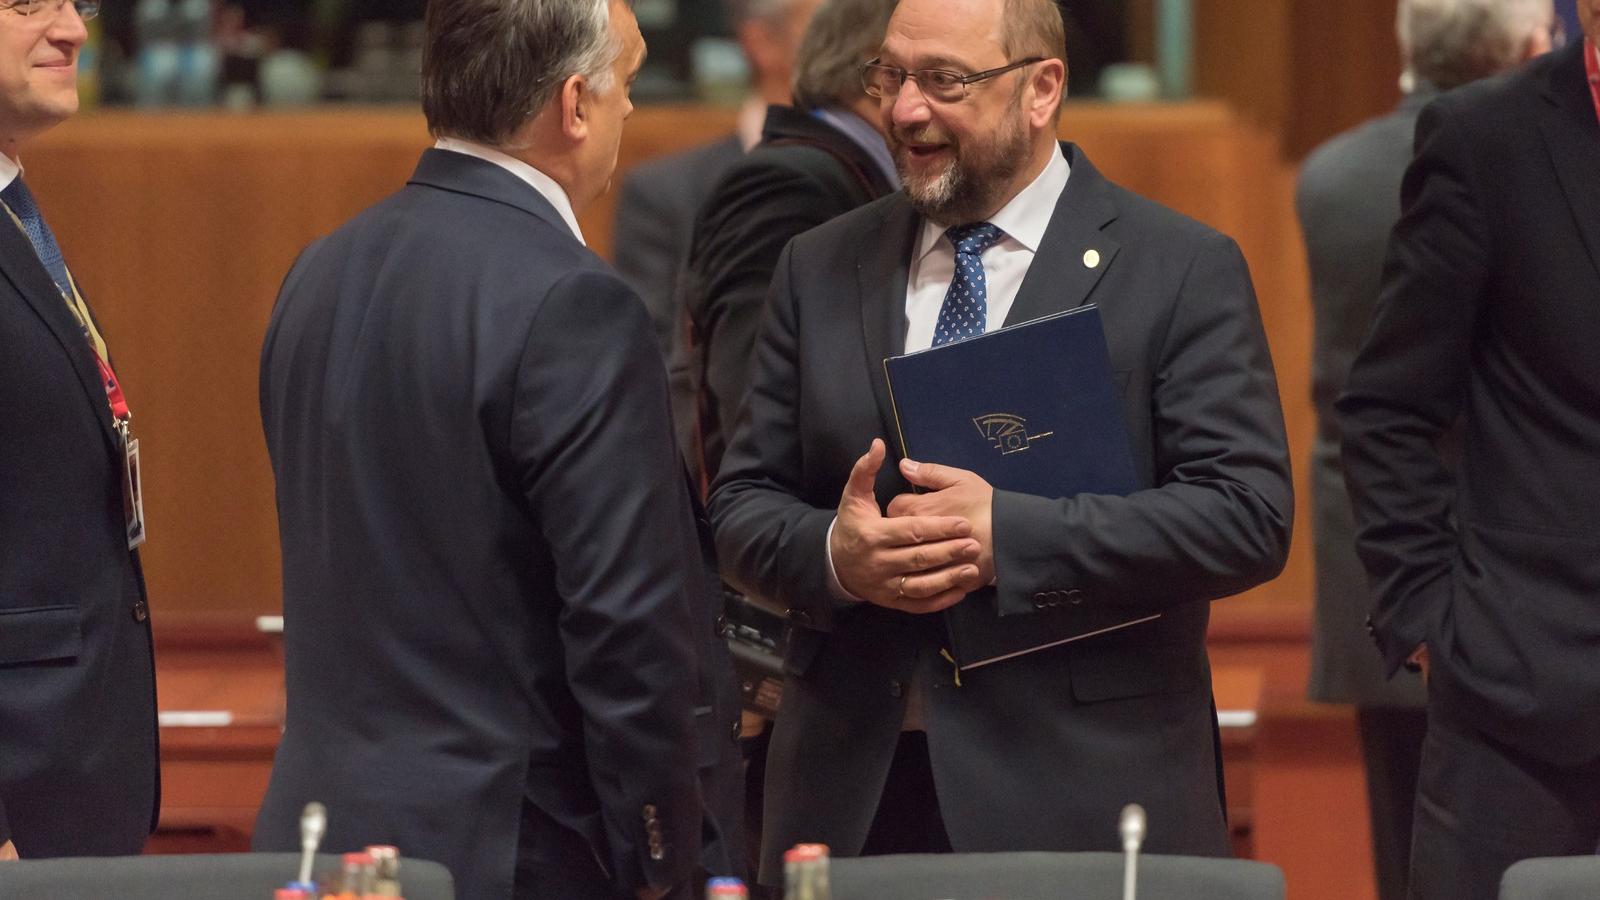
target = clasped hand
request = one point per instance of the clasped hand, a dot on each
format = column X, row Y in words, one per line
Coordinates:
column 930, row 551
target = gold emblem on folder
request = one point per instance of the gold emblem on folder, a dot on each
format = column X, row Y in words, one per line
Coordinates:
column 1008, row 433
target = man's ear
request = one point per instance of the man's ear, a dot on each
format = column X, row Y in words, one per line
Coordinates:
column 1049, row 83
column 576, row 95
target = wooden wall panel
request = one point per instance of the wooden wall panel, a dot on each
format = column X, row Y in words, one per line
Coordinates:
column 181, row 228
column 1305, row 69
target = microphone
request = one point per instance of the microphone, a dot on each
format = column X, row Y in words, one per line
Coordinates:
column 313, row 825
column 1131, row 825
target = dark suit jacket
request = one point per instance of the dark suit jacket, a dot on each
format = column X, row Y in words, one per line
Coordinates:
column 493, row 593
column 1348, row 200
column 1040, row 752
column 1489, row 311
column 803, row 173
column 656, row 209
column 77, row 683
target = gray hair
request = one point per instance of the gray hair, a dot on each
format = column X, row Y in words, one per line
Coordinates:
column 843, row 35
column 490, row 65
column 1451, row 42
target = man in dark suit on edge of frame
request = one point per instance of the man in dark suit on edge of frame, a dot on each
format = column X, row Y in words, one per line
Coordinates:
column 1486, row 575
column 78, row 760
column 876, row 748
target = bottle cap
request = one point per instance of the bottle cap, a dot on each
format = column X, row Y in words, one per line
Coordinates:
column 357, row 859
column 806, row 852
column 290, row 893
column 725, row 887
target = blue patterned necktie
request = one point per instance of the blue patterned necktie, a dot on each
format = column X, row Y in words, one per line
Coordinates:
column 17, row 196
column 965, row 312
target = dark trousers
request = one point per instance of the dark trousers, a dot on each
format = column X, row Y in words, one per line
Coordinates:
column 908, row 818
column 1483, row 805
column 1391, row 747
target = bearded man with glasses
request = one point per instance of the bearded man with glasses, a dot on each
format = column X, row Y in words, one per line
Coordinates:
column 878, row 746
column 78, row 769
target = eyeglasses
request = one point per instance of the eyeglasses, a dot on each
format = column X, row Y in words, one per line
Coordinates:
column 86, row 9
column 940, row 85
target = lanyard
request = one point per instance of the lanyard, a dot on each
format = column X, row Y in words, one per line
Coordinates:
column 1592, row 64
column 108, row 378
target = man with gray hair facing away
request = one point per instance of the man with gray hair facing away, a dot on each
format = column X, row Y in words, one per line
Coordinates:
column 1348, row 201
column 499, row 627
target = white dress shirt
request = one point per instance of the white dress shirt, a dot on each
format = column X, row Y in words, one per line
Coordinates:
column 539, row 181
column 10, row 169
column 933, row 258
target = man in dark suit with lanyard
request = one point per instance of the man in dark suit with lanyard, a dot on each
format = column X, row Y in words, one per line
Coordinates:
column 501, row 639
column 1485, row 575
column 877, row 748
column 77, row 683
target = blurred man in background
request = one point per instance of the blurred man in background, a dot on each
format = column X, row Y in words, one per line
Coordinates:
column 817, row 159
column 1484, row 566
column 659, row 199
column 499, row 637
column 1348, row 201
column 78, row 769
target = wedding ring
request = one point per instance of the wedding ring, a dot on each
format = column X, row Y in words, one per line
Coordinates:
column 900, row 592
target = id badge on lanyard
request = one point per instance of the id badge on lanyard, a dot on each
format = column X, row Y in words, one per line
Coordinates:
column 132, row 483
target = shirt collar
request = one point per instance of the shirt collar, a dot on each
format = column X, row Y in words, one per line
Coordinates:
column 862, row 134
column 10, row 170
column 539, row 181
column 1026, row 217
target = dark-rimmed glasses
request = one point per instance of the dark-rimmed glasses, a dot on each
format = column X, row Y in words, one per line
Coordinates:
column 87, row 9
column 940, row 85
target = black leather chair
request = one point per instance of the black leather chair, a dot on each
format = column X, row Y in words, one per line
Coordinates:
column 1554, row 878
column 223, row 876
column 1050, row 876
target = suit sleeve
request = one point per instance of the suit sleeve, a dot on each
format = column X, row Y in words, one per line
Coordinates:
column 1407, row 386
column 593, row 448
column 5, row 823
column 649, row 247
column 755, row 209
column 772, row 543
column 1217, row 520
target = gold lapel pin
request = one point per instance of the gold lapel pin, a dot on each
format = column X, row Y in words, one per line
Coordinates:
column 1091, row 258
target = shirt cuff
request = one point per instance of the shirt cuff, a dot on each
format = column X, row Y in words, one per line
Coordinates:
column 834, row 587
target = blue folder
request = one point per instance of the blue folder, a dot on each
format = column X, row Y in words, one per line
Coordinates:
column 1033, row 408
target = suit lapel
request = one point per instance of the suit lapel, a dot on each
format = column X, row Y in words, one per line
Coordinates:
column 1572, row 135
column 27, row 275
column 1074, row 251
column 883, row 264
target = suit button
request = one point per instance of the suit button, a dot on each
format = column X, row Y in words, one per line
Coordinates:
column 738, row 731
column 1074, row 597
column 1040, row 601
column 141, row 612
column 897, row 688
column 721, row 626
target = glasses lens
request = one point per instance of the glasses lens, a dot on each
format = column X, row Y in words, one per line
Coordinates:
column 942, row 86
column 87, row 9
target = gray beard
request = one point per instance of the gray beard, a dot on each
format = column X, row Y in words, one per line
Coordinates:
column 960, row 195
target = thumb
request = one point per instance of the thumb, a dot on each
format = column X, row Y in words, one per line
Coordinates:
column 864, row 473
column 932, row 476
